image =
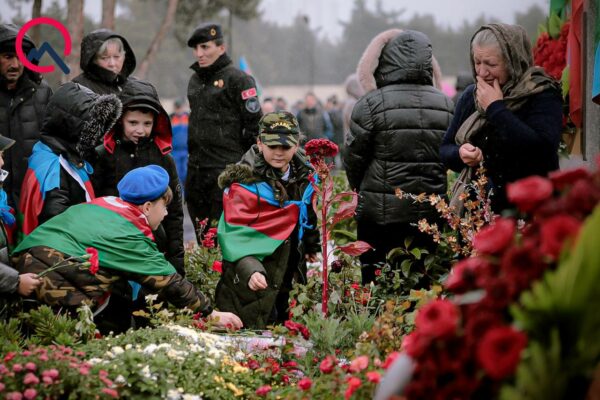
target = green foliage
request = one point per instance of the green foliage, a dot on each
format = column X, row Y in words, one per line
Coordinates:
column 48, row 327
column 12, row 337
column 199, row 271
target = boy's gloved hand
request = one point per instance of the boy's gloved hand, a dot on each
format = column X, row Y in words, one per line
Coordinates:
column 257, row 282
column 226, row 320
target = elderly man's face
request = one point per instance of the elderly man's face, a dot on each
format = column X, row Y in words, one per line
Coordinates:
column 10, row 68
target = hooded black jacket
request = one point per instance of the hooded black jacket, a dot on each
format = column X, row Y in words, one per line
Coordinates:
column 395, row 134
column 116, row 157
column 76, row 118
column 98, row 79
column 21, row 114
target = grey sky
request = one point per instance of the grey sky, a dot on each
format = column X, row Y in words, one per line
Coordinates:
column 325, row 15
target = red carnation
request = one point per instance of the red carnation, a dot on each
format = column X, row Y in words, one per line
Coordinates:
column 93, row 259
column 359, row 363
column 500, row 350
column 414, row 344
column 304, row 383
column 353, row 384
column 555, row 231
column 438, row 319
column 263, row 390
column 217, row 266
column 328, row 364
column 493, row 239
column 529, row 192
column 562, row 179
column 582, row 198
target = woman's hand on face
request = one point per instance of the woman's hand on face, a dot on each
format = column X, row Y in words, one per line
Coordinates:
column 487, row 94
column 257, row 282
column 470, row 154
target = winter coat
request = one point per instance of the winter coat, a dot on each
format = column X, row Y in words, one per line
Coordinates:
column 514, row 144
column 315, row 123
column 21, row 115
column 233, row 294
column 96, row 78
column 76, row 119
column 223, row 122
column 116, row 157
column 396, row 130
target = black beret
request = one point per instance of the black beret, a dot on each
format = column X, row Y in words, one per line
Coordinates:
column 204, row 33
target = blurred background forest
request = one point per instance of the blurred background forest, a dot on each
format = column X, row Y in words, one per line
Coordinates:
column 286, row 53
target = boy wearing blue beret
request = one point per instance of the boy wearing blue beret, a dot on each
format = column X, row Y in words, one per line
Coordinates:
column 126, row 251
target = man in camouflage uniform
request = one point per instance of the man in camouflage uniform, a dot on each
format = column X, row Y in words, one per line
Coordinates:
column 223, row 122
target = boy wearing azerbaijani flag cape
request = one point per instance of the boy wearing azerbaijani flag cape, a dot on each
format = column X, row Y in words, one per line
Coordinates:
column 267, row 230
column 120, row 229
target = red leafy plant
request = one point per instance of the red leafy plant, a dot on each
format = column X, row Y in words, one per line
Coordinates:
column 464, row 346
column 318, row 150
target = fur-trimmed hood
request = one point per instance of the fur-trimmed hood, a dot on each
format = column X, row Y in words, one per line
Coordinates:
column 398, row 56
column 77, row 118
column 353, row 86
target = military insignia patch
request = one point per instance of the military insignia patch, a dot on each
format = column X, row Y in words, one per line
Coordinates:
column 246, row 94
column 213, row 32
column 252, row 105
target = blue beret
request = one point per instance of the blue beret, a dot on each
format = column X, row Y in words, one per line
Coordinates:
column 143, row 184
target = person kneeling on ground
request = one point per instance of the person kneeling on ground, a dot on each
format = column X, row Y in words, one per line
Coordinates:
column 120, row 229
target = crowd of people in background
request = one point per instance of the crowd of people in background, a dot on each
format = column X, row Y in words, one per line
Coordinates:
column 100, row 165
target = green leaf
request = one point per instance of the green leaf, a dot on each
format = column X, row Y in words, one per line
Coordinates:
column 565, row 80
column 346, row 233
column 554, row 25
column 405, row 267
column 416, row 252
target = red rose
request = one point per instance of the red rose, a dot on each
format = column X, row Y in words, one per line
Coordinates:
column 353, row 384
column 328, row 364
column 529, row 192
column 437, row 319
column 414, row 344
column 373, row 376
column 479, row 322
column 555, row 231
column 304, row 383
column 466, row 274
column 499, row 351
column 582, row 198
column 253, row 364
column 499, row 293
column 495, row 238
column 523, row 264
column 562, row 179
column 263, row 390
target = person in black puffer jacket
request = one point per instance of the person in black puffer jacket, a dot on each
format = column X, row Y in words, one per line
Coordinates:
column 123, row 151
column 396, row 129
column 107, row 61
column 58, row 174
column 23, row 100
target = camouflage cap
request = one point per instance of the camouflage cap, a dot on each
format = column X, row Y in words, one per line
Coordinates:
column 279, row 129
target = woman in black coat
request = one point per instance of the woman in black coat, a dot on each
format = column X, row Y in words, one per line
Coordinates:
column 107, row 61
column 510, row 119
column 395, row 133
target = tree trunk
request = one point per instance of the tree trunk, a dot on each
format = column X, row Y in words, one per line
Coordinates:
column 142, row 71
column 75, row 27
column 36, row 12
column 108, row 14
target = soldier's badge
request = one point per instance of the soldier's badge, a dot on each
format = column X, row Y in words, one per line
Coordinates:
column 213, row 32
column 253, row 105
column 246, row 94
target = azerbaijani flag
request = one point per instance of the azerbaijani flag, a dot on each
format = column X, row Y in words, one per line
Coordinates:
column 42, row 176
column 117, row 229
column 254, row 223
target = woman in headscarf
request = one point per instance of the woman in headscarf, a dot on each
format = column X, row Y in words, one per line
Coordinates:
column 510, row 118
column 107, row 60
